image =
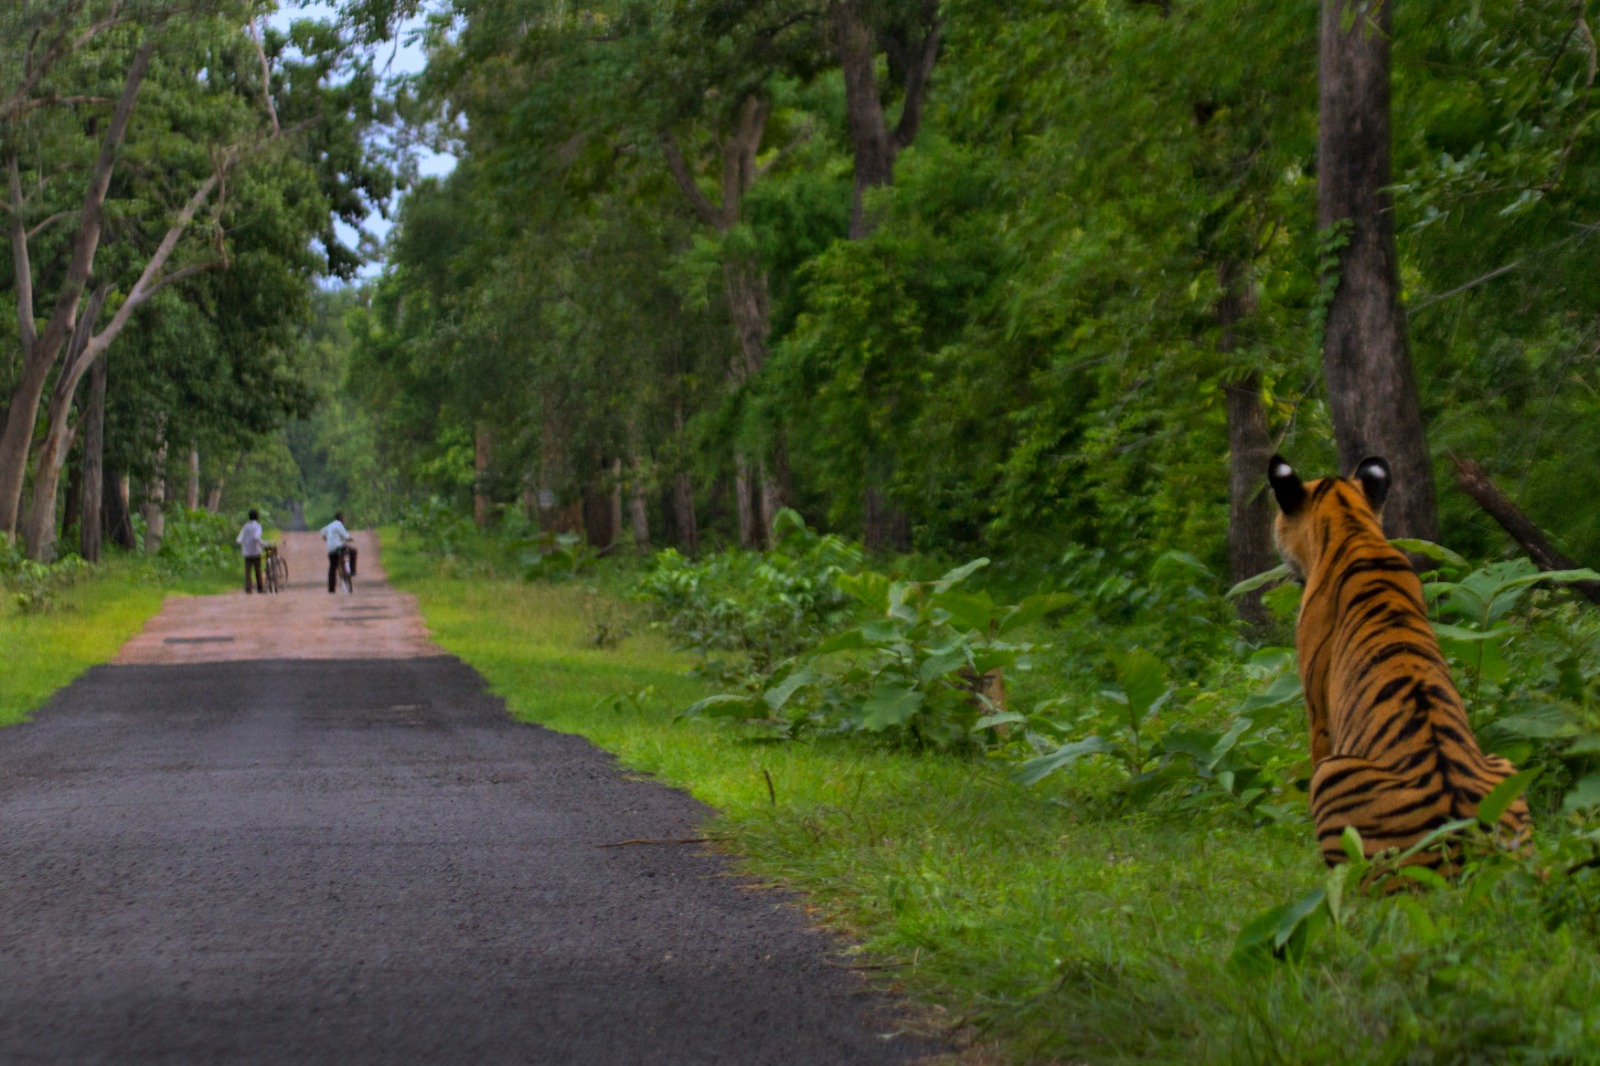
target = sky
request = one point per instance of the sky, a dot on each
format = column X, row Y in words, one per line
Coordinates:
column 396, row 58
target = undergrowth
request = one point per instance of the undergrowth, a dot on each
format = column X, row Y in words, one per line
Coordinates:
column 1111, row 911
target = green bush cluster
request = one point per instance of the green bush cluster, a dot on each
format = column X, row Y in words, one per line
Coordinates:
column 760, row 609
column 196, row 543
column 32, row 586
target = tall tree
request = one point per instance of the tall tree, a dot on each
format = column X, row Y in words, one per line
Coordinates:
column 1372, row 392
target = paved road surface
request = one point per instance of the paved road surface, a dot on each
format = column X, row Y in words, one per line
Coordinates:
column 367, row 861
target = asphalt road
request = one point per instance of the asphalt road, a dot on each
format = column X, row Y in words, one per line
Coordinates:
column 286, row 862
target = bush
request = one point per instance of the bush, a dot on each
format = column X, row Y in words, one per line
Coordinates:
column 764, row 608
column 197, row 542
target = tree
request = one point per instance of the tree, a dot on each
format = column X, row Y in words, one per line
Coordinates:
column 1372, row 392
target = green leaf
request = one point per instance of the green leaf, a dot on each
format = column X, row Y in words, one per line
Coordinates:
column 1437, row 552
column 1284, row 600
column 1034, row 608
column 1041, row 767
column 1462, row 635
column 890, row 705
column 849, row 640
column 726, row 705
column 1589, row 744
column 970, row 612
column 882, row 631
column 1503, row 795
column 1296, row 913
column 1143, row 679
column 941, row 661
column 1229, row 739
column 1281, row 572
column 1539, row 723
column 901, row 594
column 1422, row 875
column 1585, row 794
column 870, row 588
column 778, row 695
column 990, row 721
column 1354, row 847
column 1285, row 688
column 958, row 575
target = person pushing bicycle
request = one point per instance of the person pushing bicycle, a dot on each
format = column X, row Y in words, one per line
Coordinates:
column 339, row 544
column 249, row 541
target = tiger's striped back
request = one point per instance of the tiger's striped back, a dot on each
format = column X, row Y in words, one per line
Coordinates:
column 1392, row 751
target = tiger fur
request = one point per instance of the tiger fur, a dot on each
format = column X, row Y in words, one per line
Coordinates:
column 1392, row 752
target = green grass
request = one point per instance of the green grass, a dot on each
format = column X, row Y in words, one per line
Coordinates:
column 1047, row 924
column 84, row 626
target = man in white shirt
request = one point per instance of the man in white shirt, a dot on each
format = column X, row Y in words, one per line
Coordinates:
column 338, row 540
column 249, row 541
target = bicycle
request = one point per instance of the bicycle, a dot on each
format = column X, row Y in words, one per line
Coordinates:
column 346, row 577
column 277, row 569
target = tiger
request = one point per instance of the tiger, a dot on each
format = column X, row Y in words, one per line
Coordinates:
column 1391, row 749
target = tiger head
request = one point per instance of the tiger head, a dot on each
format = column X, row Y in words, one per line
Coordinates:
column 1309, row 508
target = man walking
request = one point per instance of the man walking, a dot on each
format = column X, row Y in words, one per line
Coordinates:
column 338, row 540
column 249, row 541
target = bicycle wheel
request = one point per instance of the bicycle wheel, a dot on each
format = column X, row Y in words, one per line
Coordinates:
column 344, row 574
column 271, row 572
column 278, row 574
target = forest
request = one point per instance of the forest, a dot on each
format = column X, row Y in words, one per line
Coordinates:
column 912, row 367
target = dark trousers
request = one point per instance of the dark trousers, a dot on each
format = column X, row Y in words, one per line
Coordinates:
column 253, row 562
column 333, row 566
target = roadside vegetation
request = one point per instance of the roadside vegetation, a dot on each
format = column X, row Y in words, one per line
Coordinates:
column 59, row 619
column 1117, row 865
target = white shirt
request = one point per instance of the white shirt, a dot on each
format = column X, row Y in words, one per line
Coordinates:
column 249, row 539
column 336, row 535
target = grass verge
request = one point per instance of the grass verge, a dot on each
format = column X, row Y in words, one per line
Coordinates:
column 1048, row 924
column 85, row 625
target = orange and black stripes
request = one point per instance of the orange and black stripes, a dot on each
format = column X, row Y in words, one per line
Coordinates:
column 1393, row 753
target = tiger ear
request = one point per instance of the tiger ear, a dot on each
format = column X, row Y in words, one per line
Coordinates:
column 1286, row 484
column 1373, row 473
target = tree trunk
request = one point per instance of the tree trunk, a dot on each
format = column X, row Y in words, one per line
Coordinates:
column 1475, row 482
column 683, row 514
column 1372, row 394
column 638, row 509
column 869, row 133
column 72, row 499
column 884, row 527
column 119, row 514
column 616, row 501
column 214, row 497
column 39, row 532
column 191, row 495
column 482, row 456
column 1250, row 549
column 744, row 503
column 94, row 440
column 155, row 498
column 39, row 351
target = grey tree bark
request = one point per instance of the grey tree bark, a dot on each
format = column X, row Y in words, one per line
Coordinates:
column 1372, row 392
column 683, row 516
column 91, row 522
column 40, row 350
column 155, row 498
column 1250, row 549
column 191, row 495
column 119, row 513
column 875, row 147
column 744, row 285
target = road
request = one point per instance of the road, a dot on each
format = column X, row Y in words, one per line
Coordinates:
column 231, row 850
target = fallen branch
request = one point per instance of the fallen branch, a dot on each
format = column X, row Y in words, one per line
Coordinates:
column 1475, row 482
